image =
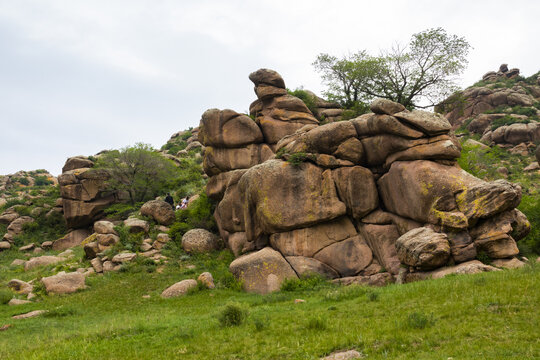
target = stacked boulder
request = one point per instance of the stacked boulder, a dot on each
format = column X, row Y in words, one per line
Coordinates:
column 363, row 201
column 83, row 192
column 325, row 111
column 276, row 112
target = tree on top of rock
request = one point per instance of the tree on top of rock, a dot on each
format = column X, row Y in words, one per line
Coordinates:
column 418, row 75
column 139, row 171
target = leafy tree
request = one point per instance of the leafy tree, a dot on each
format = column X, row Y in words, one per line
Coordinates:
column 139, row 171
column 421, row 73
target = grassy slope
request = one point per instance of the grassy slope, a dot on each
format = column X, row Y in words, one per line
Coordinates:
column 487, row 316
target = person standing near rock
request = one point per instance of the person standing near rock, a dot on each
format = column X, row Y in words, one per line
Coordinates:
column 169, row 199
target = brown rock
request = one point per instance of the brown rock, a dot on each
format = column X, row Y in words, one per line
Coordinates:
column 200, row 240
column 15, row 302
column 97, row 265
column 308, row 241
column 306, row 266
column 137, row 225
column 462, row 246
column 236, row 243
column 72, row 239
column 263, row 271
column 356, row 187
column 385, row 106
column 352, row 150
column 82, row 213
column 42, row 261
column 159, row 210
column 4, row 245
column 268, row 77
column 179, row 289
column 91, row 249
column 63, row 283
column 381, row 279
column 104, row 227
column 429, row 123
column 370, row 124
column 8, row 216
column 381, row 239
column 347, row 257
column 230, row 210
column 20, row 287
column 344, row 355
column 207, row 280
column 29, row 315
column 470, row 267
column 537, row 153
column 124, row 257
column 269, row 209
column 228, row 129
column 423, row 248
column 512, row 263
column 77, row 162
column 16, row 226
column 218, row 160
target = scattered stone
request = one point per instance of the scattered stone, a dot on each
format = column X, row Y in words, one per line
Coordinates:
column 150, row 253
column 145, row 247
column 38, row 251
column 47, row 245
column 385, row 106
column 163, row 238
column 104, row 227
column 200, row 240
column 137, row 225
column 64, row 283
column 42, row 261
column 532, row 166
column 5, row 327
column 207, row 280
column 20, row 287
column 31, row 296
column 512, row 263
column 27, row 247
column 14, row 302
column 146, row 296
column 18, row 262
column 4, row 245
column 97, row 264
column 72, row 239
column 108, row 266
column 91, row 249
column 344, row 355
column 299, row 301
column 68, row 253
column 16, row 226
column 180, row 288
column 29, row 315
column 503, row 171
column 124, row 257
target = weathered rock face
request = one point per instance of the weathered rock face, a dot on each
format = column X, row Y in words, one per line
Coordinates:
column 350, row 199
column 63, row 283
column 83, row 192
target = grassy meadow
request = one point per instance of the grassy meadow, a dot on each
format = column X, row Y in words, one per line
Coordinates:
column 485, row 316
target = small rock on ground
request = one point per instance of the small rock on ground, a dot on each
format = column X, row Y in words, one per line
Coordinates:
column 344, row 355
column 29, row 315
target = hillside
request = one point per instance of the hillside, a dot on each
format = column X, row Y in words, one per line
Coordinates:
column 277, row 203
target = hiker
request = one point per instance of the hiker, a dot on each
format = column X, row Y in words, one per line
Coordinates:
column 169, row 199
column 184, row 203
column 178, row 207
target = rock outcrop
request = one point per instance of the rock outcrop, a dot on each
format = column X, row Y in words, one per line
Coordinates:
column 84, row 196
column 341, row 199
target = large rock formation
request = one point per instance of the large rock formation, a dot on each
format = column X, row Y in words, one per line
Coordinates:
column 83, row 193
column 341, row 199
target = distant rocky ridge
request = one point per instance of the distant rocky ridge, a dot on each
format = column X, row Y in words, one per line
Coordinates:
column 376, row 199
column 501, row 97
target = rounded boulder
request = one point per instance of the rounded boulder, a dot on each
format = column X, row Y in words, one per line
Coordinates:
column 159, row 210
column 200, row 240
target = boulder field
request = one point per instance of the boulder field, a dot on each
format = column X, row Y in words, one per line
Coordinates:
column 378, row 194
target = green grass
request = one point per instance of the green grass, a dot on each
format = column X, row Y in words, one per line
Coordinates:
column 484, row 316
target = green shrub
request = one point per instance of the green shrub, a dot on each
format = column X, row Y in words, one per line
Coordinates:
column 418, row 320
column 297, row 159
column 316, row 323
column 122, row 211
column 260, row 323
column 507, row 120
column 5, row 296
column 527, row 111
column 42, row 181
column 199, row 214
column 232, row 315
column 307, row 98
column 229, row 281
column 61, row 311
column 310, row 282
column 530, row 206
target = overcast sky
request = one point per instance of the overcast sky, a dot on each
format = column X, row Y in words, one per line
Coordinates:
column 77, row 77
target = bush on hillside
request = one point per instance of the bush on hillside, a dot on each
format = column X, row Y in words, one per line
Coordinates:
column 198, row 215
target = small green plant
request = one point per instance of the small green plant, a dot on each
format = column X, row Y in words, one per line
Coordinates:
column 372, row 296
column 316, row 323
column 507, row 120
column 297, row 159
column 308, row 282
column 5, row 296
column 418, row 320
column 483, row 257
column 260, row 323
column 306, row 97
column 232, row 314
column 61, row 311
